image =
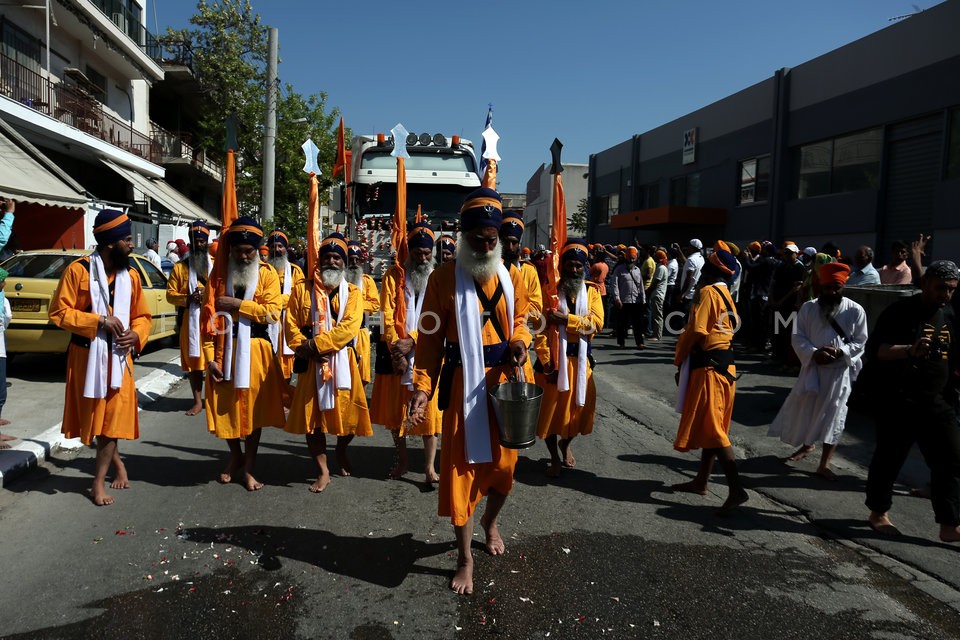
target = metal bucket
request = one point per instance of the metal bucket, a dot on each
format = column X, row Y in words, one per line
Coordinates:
column 517, row 406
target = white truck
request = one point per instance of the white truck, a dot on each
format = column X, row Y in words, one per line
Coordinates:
column 441, row 171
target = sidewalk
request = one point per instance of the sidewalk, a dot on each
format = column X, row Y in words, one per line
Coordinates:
column 35, row 405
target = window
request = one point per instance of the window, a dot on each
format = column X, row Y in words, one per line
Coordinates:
column 650, row 196
column 99, row 81
column 609, row 206
column 754, row 180
column 953, row 149
column 18, row 44
column 154, row 278
column 848, row 163
column 685, row 190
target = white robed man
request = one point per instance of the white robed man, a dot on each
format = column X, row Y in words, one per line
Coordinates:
column 244, row 383
column 570, row 396
column 371, row 304
column 99, row 300
column 322, row 323
column 290, row 274
column 185, row 290
column 393, row 384
column 830, row 337
column 481, row 339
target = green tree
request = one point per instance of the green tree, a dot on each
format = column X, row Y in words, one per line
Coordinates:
column 229, row 45
column 578, row 220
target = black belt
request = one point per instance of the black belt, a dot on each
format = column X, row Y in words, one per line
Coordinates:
column 719, row 359
column 257, row 330
column 573, row 349
column 494, row 355
column 84, row 342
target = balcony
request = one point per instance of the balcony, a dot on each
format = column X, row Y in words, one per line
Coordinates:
column 124, row 19
column 176, row 148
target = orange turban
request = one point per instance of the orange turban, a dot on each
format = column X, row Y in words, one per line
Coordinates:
column 632, row 253
column 754, row 246
column 661, row 256
column 833, row 273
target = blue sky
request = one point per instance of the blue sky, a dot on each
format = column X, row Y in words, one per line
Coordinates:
column 589, row 73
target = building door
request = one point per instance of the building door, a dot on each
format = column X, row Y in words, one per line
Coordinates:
column 913, row 171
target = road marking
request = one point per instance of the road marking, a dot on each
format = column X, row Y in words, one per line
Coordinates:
column 32, row 451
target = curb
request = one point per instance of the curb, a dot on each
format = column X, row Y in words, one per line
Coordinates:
column 29, row 453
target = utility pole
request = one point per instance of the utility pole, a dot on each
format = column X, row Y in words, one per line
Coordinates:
column 270, row 129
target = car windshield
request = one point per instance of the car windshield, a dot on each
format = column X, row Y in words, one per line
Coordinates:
column 48, row 266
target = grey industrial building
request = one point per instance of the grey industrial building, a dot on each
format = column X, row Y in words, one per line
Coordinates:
column 858, row 146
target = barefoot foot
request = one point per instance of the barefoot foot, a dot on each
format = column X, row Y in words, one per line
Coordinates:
column 949, row 534
column 345, row 469
column 734, row 500
column 690, row 487
column 553, row 471
column 827, row 474
column 462, row 581
column 800, row 453
column 399, row 470
column 194, row 410
column 100, row 497
column 431, row 476
column 494, row 545
column 121, row 481
column 226, row 476
column 251, row 483
column 880, row 522
column 320, row 484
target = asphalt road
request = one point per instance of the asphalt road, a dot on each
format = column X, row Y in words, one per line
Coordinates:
column 605, row 551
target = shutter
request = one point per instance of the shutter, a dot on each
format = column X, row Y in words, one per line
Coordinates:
column 913, row 172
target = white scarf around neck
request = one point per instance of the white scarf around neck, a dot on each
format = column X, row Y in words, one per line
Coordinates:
column 193, row 311
column 469, row 332
column 100, row 360
column 340, row 361
column 563, row 381
column 278, row 337
column 237, row 367
column 414, row 307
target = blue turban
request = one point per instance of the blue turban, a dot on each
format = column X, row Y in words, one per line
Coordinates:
column 278, row 236
column 199, row 228
column 448, row 243
column 723, row 261
column 354, row 250
column 334, row 243
column 575, row 249
column 245, row 230
column 110, row 226
column 512, row 226
column 482, row 208
column 420, row 236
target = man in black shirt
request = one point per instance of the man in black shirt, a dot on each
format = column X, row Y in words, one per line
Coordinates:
column 915, row 344
column 785, row 288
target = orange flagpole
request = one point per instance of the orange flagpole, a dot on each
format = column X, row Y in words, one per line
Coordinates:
column 211, row 323
column 399, row 240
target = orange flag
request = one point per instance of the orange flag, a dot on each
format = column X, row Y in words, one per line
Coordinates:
column 419, row 217
column 210, row 322
column 399, row 240
column 558, row 238
column 340, row 164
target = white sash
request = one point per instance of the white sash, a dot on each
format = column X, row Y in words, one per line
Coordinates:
column 242, row 369
column 99, row 360
column 340, row 362
column 193, row 312
column 414, row 306
column 278, row 336
column 563, row 382
column 475, row 415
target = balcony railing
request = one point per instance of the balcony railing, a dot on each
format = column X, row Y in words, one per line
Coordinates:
column 123, row 18
column 176, row 146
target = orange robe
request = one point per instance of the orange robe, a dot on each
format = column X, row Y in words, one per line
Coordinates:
column 462, row 484
column 708, row 404
column 286, row 362
column 236, row 413
column 559, row 413
column 535, row 310
column 390, row 398
column 350, row 415
column 116, row 415
column 178, row 290
column 371, row 304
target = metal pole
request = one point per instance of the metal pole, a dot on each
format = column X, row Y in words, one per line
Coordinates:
column 270, row 129
column 47, row 5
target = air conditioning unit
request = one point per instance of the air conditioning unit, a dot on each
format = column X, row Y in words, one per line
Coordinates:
column 120, row 20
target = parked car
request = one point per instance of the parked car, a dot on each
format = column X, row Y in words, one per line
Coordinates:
column 33, row 279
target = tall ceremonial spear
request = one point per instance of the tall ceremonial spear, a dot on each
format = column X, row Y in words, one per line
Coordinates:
column 490, row 139
column 398, row 237
column 312, row 168
column 558, row 238
column 212, row 323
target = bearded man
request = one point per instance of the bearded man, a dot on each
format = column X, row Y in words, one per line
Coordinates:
column 707, row 377
column 185, row 290
column 570, row 396
column 511, row 234
column 393, row 385
column 290, row 274
column 448, row 249
column 322, row 324
column 830, row 338
column 245, row 392
column 100, row 302
column 481, row 339
column 371, row 304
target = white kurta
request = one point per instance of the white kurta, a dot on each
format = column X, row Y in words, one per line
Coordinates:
column 816, row 409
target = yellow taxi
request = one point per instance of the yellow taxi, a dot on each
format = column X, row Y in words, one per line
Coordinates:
column 33, row 279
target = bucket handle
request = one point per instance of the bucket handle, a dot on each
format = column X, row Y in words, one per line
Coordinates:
column 520, row 377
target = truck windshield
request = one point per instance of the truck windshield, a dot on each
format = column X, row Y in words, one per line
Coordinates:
column 436, row 201
column 435, row 160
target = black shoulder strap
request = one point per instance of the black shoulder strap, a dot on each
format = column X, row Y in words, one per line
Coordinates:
column 490, row 307
column 840, row 332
